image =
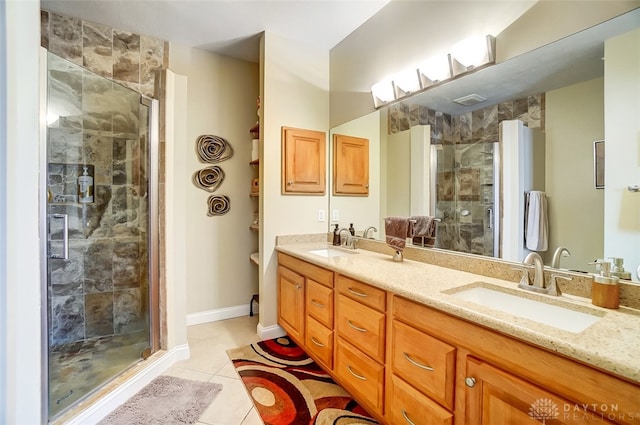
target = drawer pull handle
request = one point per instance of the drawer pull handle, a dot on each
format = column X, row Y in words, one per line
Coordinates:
column 415, row 363
column 317, row 304
column 406, row 417
column 358, row 293
column 358, row 328
column 355, row 374
column 316, row 342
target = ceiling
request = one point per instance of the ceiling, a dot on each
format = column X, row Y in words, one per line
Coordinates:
column 228, row 27
column 233, row 27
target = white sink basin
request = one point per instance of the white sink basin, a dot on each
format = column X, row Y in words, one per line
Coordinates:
column 557, row 316
column 331, row 252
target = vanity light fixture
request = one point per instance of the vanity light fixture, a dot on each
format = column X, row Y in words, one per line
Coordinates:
column 472, row 53
column 466, row 56
column 383, row 93
column 434, row 70
column 406, row 83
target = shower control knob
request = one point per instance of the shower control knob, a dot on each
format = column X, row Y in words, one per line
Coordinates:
column 470, row 381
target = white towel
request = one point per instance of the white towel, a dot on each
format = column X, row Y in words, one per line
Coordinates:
column 536, row 222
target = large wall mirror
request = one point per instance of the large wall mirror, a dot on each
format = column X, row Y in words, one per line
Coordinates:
column 557, row 92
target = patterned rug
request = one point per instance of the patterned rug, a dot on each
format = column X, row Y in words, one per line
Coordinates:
column 289, row 388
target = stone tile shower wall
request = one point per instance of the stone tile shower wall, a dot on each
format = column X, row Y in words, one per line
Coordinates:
column 102, row 290
column 465, row 170
column 130, row 59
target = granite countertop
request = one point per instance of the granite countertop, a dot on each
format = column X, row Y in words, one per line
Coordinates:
column 610, row 344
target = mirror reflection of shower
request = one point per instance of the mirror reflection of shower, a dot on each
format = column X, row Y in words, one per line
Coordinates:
column 465, row 196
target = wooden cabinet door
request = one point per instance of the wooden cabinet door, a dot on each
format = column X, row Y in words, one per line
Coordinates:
column 291, row 303
column 303, row 161
column 350, row 165
column 495, row 397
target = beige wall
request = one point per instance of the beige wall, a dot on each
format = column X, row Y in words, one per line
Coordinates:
column 622, row 148
column 362, row 211
column 221, row 96
column 402, row 34
column 574, row 120
column 398, row 159
column 294, row 93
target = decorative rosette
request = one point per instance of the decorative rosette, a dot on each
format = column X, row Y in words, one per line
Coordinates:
column 212, row 149
column 209, row 178
column 218, row 205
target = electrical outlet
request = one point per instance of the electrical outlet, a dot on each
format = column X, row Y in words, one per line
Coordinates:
column 335, row 216
column 321, row 215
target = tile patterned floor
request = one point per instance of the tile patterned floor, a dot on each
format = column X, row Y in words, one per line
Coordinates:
column 209, row 362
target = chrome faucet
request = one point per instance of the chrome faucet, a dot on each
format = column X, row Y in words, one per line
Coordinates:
column 349, row 241
column 365, row 234
column 533, row 258
column 559, row 252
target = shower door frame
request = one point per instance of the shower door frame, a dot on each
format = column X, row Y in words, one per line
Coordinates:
column 153, row 234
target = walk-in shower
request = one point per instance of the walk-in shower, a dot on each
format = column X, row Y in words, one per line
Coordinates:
column 465, row 196
column 99, row 215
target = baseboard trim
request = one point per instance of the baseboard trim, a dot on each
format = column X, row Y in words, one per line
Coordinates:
column 219, row 314
column 121, row 393
column 270, row 332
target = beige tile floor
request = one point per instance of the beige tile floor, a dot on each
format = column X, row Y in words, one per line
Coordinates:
column 209, row 362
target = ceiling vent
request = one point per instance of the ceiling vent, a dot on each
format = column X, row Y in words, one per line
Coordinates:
column 470, row 99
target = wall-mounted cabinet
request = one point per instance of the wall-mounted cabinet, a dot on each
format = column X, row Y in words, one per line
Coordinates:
column 350, row 165
column 303, row 161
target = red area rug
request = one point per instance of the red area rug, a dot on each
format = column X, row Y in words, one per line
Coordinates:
column 289, row 388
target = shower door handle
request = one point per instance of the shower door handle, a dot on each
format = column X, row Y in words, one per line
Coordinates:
column 490, row 212
column 65, row 237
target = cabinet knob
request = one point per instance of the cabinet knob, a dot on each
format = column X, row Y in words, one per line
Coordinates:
column 470, row 381
column 290, row 182
column 298, row 286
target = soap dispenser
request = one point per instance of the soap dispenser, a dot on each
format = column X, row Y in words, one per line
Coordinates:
column 618, row 269
column 85, row 187
column 605, row 291
column 336, row 236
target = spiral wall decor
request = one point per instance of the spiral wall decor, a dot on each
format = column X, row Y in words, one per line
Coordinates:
column 209, row 178
column 213, row 149
column 210, row 150
column 218, row 205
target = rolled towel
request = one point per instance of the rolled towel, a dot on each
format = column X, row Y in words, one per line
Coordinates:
column 397, row 230
column 424, row 231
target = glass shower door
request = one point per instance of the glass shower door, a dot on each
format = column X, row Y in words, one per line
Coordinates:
column 465, row 196
column 97, row 176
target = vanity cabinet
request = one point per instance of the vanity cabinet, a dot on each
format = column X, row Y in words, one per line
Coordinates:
column 496, row 397
column 305, row 307
column 361, row 331
column 499, row 379
column 291, row 302
column 407, row 363
column 303, row 161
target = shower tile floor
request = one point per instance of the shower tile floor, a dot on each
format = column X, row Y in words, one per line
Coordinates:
column 208, row 344
column 77, row 369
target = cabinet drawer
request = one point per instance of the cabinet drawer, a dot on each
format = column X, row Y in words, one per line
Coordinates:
column 320, row 275
column 366, row 294
column 361, row 376
column 361, row 326
column 410, row 407
column 424, row 361
column 319, row 342
column 320, row 303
